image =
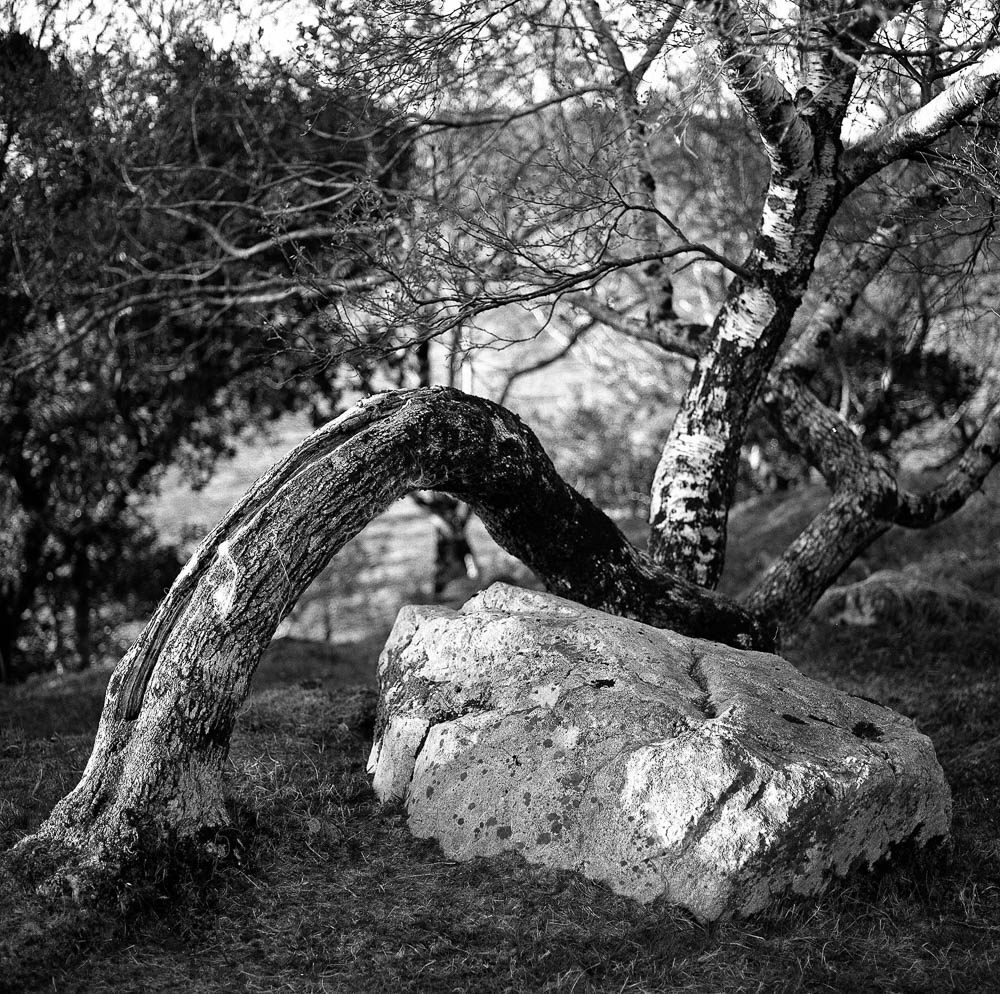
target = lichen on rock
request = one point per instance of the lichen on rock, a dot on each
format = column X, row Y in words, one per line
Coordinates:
column 660, row 764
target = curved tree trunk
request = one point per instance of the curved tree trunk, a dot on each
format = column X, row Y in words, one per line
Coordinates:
column 155, row 774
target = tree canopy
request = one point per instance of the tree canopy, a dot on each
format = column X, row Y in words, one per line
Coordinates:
column 173, row 227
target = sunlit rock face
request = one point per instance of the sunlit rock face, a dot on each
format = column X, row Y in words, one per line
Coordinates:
column 659, row 764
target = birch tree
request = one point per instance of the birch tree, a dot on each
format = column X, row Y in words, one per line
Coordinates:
column 881, row 111
column 876, row 119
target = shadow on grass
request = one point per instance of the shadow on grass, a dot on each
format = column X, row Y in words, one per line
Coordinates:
column 331, row 893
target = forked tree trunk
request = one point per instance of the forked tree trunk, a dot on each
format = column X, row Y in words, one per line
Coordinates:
column 155, row 774
column 866, row 499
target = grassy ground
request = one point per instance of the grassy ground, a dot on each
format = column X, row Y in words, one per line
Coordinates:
column 332, row 894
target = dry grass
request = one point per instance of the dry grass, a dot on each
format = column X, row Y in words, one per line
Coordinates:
column 333, row 894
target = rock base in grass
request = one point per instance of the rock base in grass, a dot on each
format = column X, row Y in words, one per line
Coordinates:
column 660, row 764
column 899, row 596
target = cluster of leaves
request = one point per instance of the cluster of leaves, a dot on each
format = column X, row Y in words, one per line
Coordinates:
column 165, row 225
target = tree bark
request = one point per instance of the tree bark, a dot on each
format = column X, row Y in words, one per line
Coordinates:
column 155, row 774
column 866, row 499
column 810, row 177
column 863, row 505
column 695, row 480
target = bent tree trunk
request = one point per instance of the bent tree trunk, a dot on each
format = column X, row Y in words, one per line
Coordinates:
column 155, row 774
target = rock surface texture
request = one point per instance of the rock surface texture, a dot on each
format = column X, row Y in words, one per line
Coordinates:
column 660, row 764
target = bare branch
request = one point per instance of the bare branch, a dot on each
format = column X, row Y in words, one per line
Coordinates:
column 480, row 119
column 514, row 375
column 273, row 291
column 609, row 45
column 274, row 241
column 557, row 283
column 657, row 42
column 675, row 336
column 923, row 510
column 865, row 263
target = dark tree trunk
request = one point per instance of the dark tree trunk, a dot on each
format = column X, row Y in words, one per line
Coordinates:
column 156, row 772
column 454, row 558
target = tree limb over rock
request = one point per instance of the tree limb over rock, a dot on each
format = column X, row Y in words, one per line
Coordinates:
column 441, row 439
column 156, row 770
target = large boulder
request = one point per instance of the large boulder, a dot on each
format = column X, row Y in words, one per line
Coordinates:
column 661, row 764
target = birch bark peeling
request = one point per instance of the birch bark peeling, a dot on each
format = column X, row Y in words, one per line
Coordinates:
column 156, row 769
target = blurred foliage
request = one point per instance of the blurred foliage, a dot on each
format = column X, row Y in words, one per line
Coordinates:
column 162, row 225
column 607, row 451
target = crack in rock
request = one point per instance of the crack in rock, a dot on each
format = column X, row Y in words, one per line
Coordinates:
column 704, row 701
column 713, row 814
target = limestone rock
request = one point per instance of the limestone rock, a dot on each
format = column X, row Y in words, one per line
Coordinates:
column 660, row 764
column 897, row 596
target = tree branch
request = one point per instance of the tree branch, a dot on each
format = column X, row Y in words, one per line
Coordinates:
column 484, row 118
column 861, row 507
column 656, row 43
column 922, row 127
column 430, row 438
column 549, row 360
column 670, row 334
column 786, row 137
column 978, row 460
column 654, row 278
column 867, row 261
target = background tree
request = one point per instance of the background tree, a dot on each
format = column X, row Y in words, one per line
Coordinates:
column 156, row 213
